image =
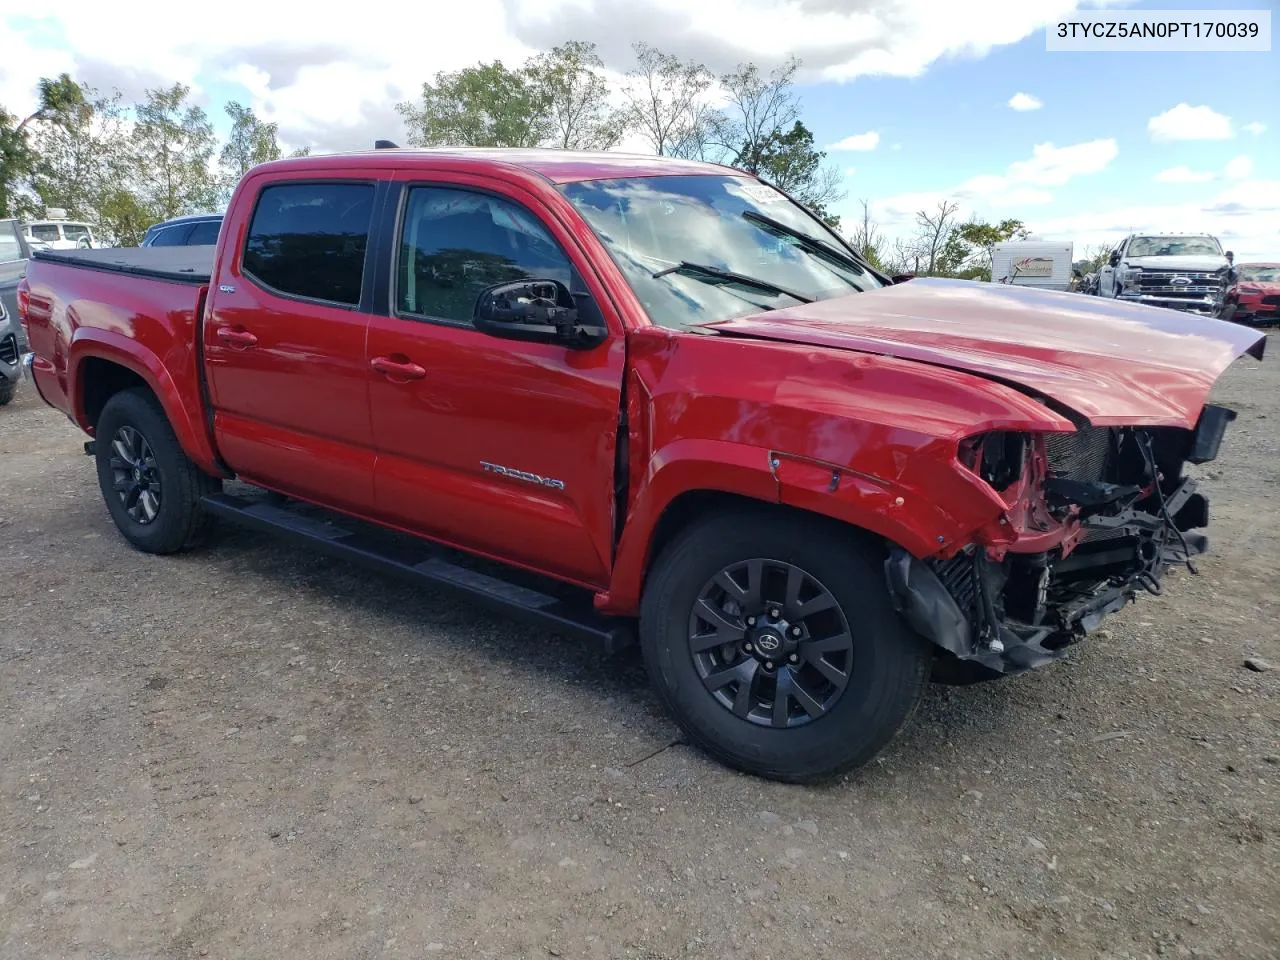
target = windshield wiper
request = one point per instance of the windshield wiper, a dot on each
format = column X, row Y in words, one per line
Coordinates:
column 684, row 266
column 812, row 244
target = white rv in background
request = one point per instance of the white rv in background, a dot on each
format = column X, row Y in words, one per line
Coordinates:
column 1033, row 263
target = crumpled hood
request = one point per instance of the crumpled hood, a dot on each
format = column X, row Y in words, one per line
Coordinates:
column 1115, row 363
column 1190, row 264
column 1266, row 288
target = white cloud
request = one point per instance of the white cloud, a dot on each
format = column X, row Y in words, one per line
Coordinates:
column 1238, row 168
column 1185, row 122
column 1257, row 128
column 333, row 81
column 1025, row 101
column 850, row 171
column 1183, row 175
column 1054, row 166
column 859, row 141
column 1022, row 185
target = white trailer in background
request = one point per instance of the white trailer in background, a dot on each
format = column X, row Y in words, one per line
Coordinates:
column 1033, row 263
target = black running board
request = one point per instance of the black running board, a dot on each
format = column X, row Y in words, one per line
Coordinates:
column 421, row 562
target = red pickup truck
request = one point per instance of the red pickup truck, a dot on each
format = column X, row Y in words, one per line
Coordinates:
column 604, row 392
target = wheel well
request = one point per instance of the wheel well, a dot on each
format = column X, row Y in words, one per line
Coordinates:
column 100, row 381
column 695, row 504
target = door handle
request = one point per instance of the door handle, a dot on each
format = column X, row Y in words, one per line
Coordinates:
column 237, row 338
column 398, row 368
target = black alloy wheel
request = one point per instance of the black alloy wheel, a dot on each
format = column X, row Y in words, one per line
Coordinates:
column 771, row 637
column 151, row 487
column 771, row 643
column 134, row 475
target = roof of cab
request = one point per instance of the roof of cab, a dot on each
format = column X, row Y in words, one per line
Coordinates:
column 557, row 166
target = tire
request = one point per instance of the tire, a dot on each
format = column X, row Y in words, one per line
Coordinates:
column 7, row 389
column 887, row 664
column 177, row 521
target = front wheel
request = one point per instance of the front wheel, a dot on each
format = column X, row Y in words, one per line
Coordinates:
column 7, row 389
column 152, row 489
column 773, row 641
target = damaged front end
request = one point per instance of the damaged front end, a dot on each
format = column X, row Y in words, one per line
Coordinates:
column 1092, row 518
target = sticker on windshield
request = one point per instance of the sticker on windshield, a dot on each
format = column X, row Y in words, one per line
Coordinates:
column 759, row 193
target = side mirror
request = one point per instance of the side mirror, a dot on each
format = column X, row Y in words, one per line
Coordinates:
column 1114, row 258
column 535, row 311
column 902, row 277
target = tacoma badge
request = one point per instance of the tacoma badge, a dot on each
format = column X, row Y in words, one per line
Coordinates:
column 523, row 475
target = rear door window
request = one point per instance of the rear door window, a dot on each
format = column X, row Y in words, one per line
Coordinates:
column 204, row 233
column 171, row 236
column 309, row 240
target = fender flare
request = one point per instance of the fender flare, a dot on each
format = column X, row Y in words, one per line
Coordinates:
column 95, row 343
column 754, row 473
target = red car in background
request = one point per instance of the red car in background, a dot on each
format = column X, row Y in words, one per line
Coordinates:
column 1255, row 296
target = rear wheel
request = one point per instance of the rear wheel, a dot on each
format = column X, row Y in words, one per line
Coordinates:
column 7, row 389
column 773, row 642
column 151, row 488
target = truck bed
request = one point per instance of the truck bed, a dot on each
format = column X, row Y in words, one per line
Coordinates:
column 177, row 264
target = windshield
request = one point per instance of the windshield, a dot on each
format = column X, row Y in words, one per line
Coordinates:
column 1259, row 273
column 45, row 231
column 716, row 227
column 1174, row 247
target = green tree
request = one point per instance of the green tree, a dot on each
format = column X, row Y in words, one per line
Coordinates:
column 174, row 144
column 969, row 246
column 933, row 244
column 666, row 103
column 761, row 108
column 868, row 240
column 16, row 163
column 122, row 215
column 58, row 100
column 83, row 156
column 251, row 142
column 790, row 161
column 758, row 130
column 575, row 95
column 487, row 105
column 1094, row 257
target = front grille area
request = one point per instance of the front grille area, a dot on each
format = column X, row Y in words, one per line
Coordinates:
column 9, row 349
column 1081, row 455
column 1271, row 301
column 959, row 576
column 1192, row 285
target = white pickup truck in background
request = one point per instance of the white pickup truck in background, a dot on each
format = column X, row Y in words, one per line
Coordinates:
column 1033, row 263
column 1180, row 271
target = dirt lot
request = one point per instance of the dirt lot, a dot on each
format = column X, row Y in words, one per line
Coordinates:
column 254, row 752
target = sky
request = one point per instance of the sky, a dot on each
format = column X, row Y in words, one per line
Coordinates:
column 916, row 101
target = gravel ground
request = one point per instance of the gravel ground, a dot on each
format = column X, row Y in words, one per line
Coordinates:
column 254, row 752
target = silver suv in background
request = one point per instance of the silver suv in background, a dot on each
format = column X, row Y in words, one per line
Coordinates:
column 1183, row 271
column 197, row 229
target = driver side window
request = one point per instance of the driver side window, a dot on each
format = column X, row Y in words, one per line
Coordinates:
column 455, row 242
